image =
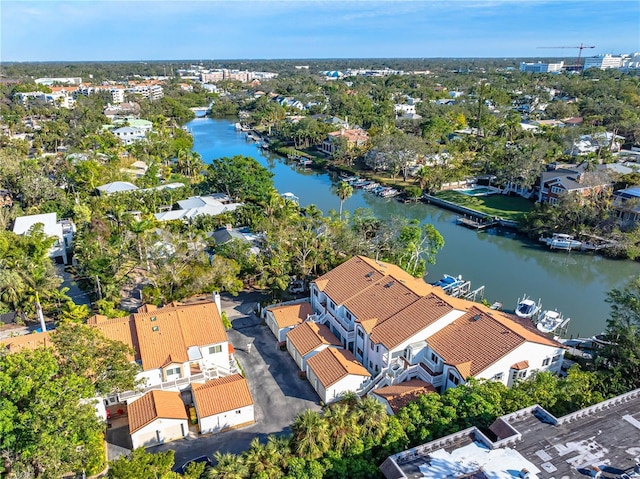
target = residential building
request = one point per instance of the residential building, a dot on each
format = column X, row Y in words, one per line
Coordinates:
column 586, row 144
column 128, row 134
column 62, row 99
column 398, row 396
column 62, row 231
column 123, row 109
column 156, row 418
column 150, row 90
column 532, row 443
column 401, row 328
column 404, row 109
column 196, row 206
column 540, row 67
column 222, row 404
column 561, row 179
column 356, row 137
column 626, row 203
column 283, row 317
column 116, row 91
column 332, row 372
column 307, row 339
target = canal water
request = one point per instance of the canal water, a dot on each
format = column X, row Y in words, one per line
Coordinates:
column 575, row 284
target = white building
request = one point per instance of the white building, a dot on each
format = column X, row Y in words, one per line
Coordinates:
column 605, row 61
column 196, row 206
column 62, row 231
column 223, row 404
column 540, row 67
column 156, row 418
column 400, row 328
column 308, row 339
column 129, row 134
column 333, row 372
column 282, row 318
column 63, row 80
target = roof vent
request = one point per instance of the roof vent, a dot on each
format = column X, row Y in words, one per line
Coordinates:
column 389, row 284
column 369, row 274
column 476, row 317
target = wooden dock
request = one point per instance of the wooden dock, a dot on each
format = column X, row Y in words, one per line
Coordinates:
column 475, row 223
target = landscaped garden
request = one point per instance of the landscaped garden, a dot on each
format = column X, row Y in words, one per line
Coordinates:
column 506, row 207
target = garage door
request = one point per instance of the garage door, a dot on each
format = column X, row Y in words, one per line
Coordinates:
column 170, row 433
column 145, row 439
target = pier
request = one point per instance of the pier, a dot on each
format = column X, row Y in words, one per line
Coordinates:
column 477, row 223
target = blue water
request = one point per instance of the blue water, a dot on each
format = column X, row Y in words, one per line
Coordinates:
column 573, row 283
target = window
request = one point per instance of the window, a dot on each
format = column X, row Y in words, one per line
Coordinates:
column 332, row 305
column 173, row 371
column 238, row 411
column 370, row 365
column 215, row 349
column 348, row 315
column 360, row 332
column 359, row 351
column 315, row 292
column 556, row 358
column 155, row 328
column 553, row 201
column 453, row 379
column 153, row 318
column 376, row 368
column 434, row 358
column 546, row 361
column 498, row 377
column 377, row 349
column 371, row 345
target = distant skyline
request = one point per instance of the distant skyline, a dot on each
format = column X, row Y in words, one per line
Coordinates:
column 113, row 30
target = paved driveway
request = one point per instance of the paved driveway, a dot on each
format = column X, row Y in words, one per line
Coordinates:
column 278, row 393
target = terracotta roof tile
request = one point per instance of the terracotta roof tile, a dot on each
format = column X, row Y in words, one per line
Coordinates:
column 520, row 365
column 291, row 314
column 331, row 364
column 174, row 330
column 381, row 299
column 308, row 336
column 118, row 329
column 15, row 344
column 410, row 320
column 399, row 395
column 220, row 395
column 155, row 405
column 477, row 338
column 347, row 279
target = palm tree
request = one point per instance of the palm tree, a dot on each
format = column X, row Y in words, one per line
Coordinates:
column 228, row 466
column 344, row 191
column 265, row 459
column 372, row 418
column 344, row 431
column 310, row 435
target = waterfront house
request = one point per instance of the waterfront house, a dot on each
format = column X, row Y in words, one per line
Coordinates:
column 156, row 418
column 195, row 206
column 62, row 231
column 626, row 203
column 400, row 328
column 356, row 137
column 222, row 404
column 560, row 179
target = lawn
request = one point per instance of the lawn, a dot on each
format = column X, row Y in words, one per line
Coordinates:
column 507, row 207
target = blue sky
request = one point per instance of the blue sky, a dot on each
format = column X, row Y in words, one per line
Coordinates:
column 234, row 29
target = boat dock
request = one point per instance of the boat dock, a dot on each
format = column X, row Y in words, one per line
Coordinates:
column 477, row 223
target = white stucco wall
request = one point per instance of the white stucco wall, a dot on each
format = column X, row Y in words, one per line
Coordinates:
column 169, row 430
column 216, row 359
column 219, row 422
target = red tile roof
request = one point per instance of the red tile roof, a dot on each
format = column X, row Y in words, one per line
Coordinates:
column 291, row 314
column 331, row 365
column 309, row 336
column 220, row 395
column 155, row 405
column 399, row 395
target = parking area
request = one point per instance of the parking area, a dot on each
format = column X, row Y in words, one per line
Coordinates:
column 278, row 393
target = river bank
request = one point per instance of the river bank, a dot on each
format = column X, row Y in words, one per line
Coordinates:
column 507, row 264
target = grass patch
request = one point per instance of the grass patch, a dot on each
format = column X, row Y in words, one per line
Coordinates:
column 507, row 207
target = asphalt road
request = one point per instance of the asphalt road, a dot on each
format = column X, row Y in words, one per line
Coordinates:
column 278, row 393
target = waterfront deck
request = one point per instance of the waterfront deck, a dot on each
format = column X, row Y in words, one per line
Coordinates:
column 477, row 224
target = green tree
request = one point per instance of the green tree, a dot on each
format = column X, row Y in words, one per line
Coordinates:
column 145, row 465
column 240, row 177
column 310, row 435
column 344, row 191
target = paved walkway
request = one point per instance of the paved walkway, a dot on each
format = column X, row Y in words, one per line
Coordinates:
column 278, row 393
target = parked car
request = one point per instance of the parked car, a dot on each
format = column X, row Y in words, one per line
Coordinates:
column 296, row 286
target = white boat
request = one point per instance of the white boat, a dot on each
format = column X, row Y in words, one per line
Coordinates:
column 448, row 282
column 561, row 241
column 527, row 308
column 550, row 321
column 238, row 126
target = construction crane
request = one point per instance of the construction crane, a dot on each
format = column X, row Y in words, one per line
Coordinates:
column 581, row 47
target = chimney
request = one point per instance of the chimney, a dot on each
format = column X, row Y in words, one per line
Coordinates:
column 216, row 299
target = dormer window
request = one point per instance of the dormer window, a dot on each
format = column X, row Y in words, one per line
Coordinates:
column 153, row 318
column 155, row 328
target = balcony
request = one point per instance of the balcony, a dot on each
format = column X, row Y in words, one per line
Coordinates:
column 430, row 376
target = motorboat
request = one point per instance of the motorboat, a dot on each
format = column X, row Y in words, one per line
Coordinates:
column 561, row 241
column 527, row 308
column 448, row 282
column 550, row 321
